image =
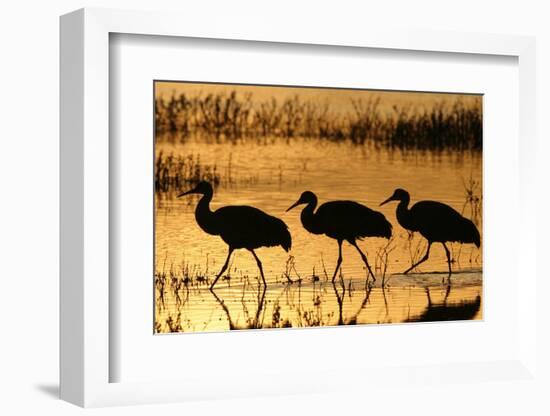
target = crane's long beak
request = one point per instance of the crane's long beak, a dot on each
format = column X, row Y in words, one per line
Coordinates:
column 298, row 202
column 187, row 193
column 387, row 200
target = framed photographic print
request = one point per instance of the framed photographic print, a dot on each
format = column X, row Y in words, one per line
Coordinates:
column 239, row 210
column 271, row 146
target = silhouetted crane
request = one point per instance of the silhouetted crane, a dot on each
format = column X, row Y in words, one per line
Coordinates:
column 437, row 222
column 343, row 220
column 240, row 226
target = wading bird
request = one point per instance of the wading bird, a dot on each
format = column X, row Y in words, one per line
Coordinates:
column 342, row 220
column 435, row 221
column 240, row 226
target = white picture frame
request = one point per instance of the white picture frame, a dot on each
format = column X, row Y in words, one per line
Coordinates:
column 85, row 164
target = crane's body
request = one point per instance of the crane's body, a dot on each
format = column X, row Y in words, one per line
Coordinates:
column 436, row 222
column 243, row 226
column 239, row 226
column 343, row 221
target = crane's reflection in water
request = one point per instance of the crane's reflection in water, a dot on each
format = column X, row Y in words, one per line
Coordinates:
column 464, row 309
column 251, row 321
column 311, row 304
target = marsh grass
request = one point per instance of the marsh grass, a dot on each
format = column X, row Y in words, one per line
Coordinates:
column 277, row 321
column 176, row 172
column 447, row 125
column 382, row 259
column 472, row 199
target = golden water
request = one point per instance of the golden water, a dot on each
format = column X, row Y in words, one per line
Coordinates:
column 271, row 176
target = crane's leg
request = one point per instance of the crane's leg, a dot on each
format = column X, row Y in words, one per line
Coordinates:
column 224, row 268
column 353, row 243
column 447, row 291
column 448, row 253
column 427, row 290
column 259, row 263
column 340, row 301
column 422, row 260
column 339, row 262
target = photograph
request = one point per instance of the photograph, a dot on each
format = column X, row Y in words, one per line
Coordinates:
column 297, row 207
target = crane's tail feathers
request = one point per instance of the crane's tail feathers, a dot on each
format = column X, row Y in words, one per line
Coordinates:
column 383, row 227
column 477, row 238
column 286, row 241
column 282, row 235
column 472, row 234
column 388, row 230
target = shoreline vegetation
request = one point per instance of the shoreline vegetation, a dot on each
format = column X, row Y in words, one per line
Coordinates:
column 450, row 125
column 312, row 302
column 174, row 171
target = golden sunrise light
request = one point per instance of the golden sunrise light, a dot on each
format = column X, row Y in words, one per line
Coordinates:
column 291, row 207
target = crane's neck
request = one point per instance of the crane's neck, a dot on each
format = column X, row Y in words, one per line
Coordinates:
column 308, row 218
column 403, row 214
column 204, row 216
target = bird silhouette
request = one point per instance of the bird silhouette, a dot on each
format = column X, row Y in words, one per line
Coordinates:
column 436, row 222
column 239, row 226
column 343, row 220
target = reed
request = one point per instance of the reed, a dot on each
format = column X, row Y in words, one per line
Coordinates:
column 449, row 125
column 382, row 259
column 174, row 172
column 472, row 199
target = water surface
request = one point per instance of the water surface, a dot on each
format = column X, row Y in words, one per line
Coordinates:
column 271, row 174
